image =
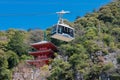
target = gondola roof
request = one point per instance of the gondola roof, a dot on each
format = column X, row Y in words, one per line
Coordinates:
column 65, row 25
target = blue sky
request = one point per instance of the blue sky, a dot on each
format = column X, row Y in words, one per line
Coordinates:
column 25, row 14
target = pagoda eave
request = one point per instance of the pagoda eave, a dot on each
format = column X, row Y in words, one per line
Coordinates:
column 43, row 52
column 46, row 44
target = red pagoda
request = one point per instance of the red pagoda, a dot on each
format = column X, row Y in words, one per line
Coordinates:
column 44, row 52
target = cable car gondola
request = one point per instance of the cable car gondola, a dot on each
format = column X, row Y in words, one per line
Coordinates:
column 62, row 31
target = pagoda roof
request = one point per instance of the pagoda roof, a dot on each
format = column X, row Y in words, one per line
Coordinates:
column 47, row 52
column 44, row 44
column 38, row 43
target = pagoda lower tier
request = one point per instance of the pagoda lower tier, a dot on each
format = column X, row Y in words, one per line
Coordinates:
column 39, row 63
column 45, row 52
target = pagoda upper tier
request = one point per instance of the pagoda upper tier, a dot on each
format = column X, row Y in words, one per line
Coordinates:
column 44, row 45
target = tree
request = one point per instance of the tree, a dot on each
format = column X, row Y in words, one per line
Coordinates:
column 108, row 39
column 16, row 43
column 79, row 63
column 116, row 34
column 12, row 59
column 5, row 73
column 3, row 40
column 60, row 70
column 35, row 36
column 105, row 14
column 118, row 59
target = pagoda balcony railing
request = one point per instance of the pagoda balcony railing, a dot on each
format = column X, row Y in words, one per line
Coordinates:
column 40, row 51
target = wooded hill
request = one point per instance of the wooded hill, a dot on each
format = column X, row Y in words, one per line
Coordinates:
column 94, row 54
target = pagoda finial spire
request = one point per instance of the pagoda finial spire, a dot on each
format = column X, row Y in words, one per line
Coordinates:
column 45, row 36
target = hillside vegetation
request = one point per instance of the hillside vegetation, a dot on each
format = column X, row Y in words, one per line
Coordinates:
column 94, row 54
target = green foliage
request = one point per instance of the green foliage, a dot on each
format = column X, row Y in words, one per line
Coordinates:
column 79, row 62
column 5, row 74
column 116, row 33
column 108, row 39
column 90, row 33
column 3, row 60
column 76, row 62
column 97, row 69
column 3, row 40
column 118, row 59
column 115, row 77
column 105, row 14
column 26, row 57
column 108, row 66
column 35, row 36
column 69, row 49
column 16, row 43
column 3, row 45
column 12, row 59
column 60, row 70
column 91, row 46
column 10, row 33
column 118, row 45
